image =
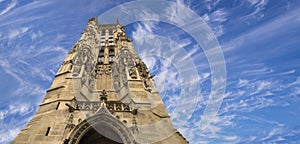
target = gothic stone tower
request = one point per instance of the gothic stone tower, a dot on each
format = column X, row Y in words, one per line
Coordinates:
column 102, row 93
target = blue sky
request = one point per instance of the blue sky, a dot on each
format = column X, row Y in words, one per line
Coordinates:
column 259, row 40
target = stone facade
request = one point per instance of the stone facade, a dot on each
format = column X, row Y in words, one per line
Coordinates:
column 102, row 92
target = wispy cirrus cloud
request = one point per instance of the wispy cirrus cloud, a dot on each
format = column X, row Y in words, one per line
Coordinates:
column 211, row 4
column 13, row 33
column 258, row 6
column 16, row 15
column 215, row 19
column 24, row 87
column 9, row 134
column 219, row 15
column 253, row 95
column 215, row 132
column 9, row 7
column 20, row 109
column 275, row 135
column 250, row 97
column 178, row 13
column 10, row 127
column 35, row 35
column 266, row 32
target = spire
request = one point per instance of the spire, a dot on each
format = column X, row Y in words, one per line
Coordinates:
column 118, row 21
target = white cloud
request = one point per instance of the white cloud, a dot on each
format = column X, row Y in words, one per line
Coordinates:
column 258, row 71
column 36, row 35
column 16, row 32
column 4, row 63
column 11, row 18
column 218, row 30
column 10, row 127
column 8, row 135
column 253, row 95
column 287, row 72
column 48, row 50
column 268, row 30
column 143, row 30
column 271, row 134
column 263, row 85
column 20, row 109
column 13, row 33
column 211, row 4
column 215, row 130
column 9, row 7
column 219, row 15
column 2, row 115
column 179, row 13
column 259, row 6
column 242, row 83
column 231, row 138
column 215, row 20
column 250, row 96
column 274, row 135
column 24, row 87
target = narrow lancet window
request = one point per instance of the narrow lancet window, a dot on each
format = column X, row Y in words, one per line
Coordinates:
column 47, row 132
column 57, row 105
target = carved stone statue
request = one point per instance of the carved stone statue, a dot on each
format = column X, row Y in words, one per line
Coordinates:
column 133, row 73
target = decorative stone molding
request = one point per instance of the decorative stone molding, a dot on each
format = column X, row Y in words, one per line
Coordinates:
column 103, row 69
column 112, row 106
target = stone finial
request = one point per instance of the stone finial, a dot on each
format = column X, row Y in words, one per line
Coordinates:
column 103, row 96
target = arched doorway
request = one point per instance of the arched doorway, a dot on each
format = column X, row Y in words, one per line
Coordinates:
column 102, row 127
column 95, row 137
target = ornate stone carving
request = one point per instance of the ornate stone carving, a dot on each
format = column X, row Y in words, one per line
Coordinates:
column 144, row 74
column 116, row 79
column 124, row 60
column 103, row 96
column 84, row 63
column 70, row 124
column 103, row 69
column 90, row 31
column 132, row 73
column 110, row 105
column 134, row 128
column 142, row 69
